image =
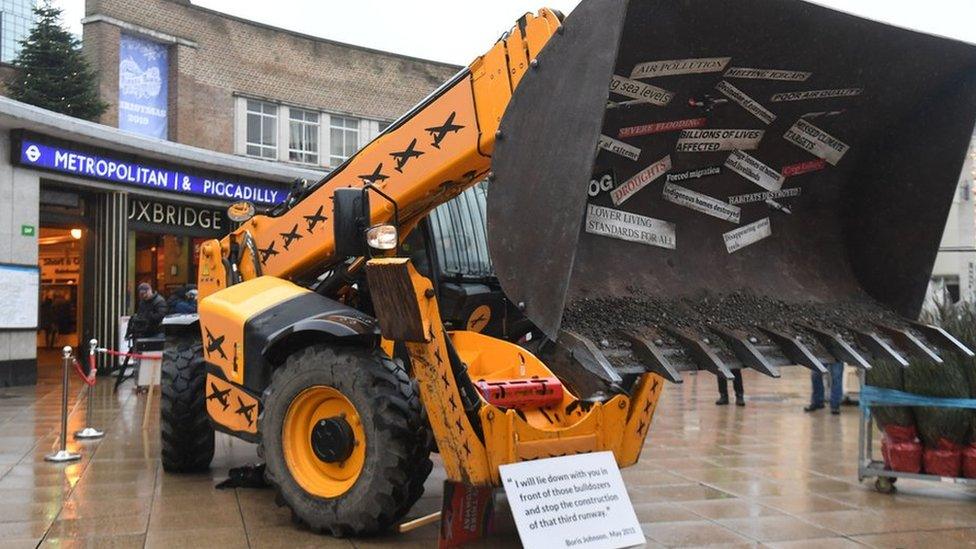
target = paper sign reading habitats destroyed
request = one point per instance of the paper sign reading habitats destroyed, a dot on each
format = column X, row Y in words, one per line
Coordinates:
column 762, row 197
column 746, row 102
column 661, row 127
column 573, row 501
column 767, row 74
column 629, row 226
column 739, row 238
column 619, row 147
column 640, row 90
column 672, row 67
column 815, row 94
column 754, row 170
column 718, row 140
column 815, row 141
column 694, row 174
column 700, row 202
column 640, row 180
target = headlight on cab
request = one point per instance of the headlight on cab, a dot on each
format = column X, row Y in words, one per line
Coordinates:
column 382, row 237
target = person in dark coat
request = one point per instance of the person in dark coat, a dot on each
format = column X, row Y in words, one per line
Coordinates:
column 151, row 310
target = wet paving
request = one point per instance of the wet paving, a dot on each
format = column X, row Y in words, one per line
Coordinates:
column 766, row 475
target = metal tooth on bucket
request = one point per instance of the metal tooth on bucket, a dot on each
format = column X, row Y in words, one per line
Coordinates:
column 652, row 356
column 700, row 352
column 794, row 349
column 748, row 353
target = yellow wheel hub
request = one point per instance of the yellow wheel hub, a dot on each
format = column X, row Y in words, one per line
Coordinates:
column 323, row 441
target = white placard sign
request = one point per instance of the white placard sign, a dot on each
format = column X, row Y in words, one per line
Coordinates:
column 640, row 90
column 700, row 202
column 755, row 171
column 618, row 147
column 571, row 501
column 671, row 67
column 816, row 141
column 767, row 74
column 713, row 140
column 629, row 226
column 640, row 180
column 815, row 94
column 19, row 286
column 746, row 102
column 764, row 196
column 745, row 235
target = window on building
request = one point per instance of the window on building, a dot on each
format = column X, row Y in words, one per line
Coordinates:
column 303, row 139
column 344, row 138
column 262, row 129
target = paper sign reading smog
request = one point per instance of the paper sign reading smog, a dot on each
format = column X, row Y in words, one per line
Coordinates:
column 794, row 170
column 762, row 197
column 571, row 501
column 629, row 226
column 816, row 94
column 640, row 90
column 700, row 202
column 640, row 180
column 694, row 174
column 767, row 74
column 754, row 170
column 619, row 147
column 661, row 127
column 672, row 67
column 746, row 102
column 739, row 238
column 718, row 140
column 815, row 141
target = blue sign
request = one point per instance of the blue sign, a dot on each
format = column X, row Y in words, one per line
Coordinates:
column 143, row 74
column 83, row 164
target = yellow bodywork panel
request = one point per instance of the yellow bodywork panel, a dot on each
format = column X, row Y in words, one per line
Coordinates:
column 224, row 314
column 407, row 311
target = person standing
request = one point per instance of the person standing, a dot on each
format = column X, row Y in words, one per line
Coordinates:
column 151, row 310
column 836, row 372
column 723, row 389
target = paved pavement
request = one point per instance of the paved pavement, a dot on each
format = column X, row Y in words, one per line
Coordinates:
column 763, row 475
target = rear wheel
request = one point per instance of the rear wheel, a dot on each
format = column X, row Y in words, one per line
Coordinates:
column 184, row 427
column 343, row 440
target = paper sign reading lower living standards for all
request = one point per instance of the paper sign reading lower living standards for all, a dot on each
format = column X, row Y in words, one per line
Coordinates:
column 629, row 226
column 571, row 501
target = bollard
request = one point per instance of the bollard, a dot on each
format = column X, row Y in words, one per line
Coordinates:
column 89, row 432
column 63, row 454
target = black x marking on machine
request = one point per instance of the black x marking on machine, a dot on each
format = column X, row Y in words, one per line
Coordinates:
column 439, row 132
column 315, row 219
column 215, row 344
column 402, row 157
column 245, row 411
column 291, row 235
column 268, row 252
column 377, row 176
column 219, row 396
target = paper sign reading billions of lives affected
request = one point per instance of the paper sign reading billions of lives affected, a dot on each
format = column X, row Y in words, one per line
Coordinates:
column 816, row 141
column 755, row 171
column 629, row 226
column 767, row 74
column 640, row 90
column 718, row 140
column 640, row 180
column 571, row 501
column 739, row 238
column 619, row 147
column 746, row 102
column 672, row 67
column 700, row 202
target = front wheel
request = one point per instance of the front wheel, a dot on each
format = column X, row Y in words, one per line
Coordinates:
column 184, row 427
column 343, row 440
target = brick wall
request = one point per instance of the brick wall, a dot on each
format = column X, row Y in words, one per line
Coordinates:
column 237, row 56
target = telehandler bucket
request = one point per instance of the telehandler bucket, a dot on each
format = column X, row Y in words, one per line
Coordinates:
column 718, row 184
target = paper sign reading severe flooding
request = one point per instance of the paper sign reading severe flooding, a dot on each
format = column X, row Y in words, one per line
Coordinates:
column 746, row 102
column 619, row 147
column 640, row 90
column 629, row 226
column 640, row 180
column 700, row 202
column 571, row 501
column 815, row 94
column 672, row 67
column 739, row 238
column 762, row 197
column 816, row 141
column 661, row 127
column 718, row 140
column 754, row 170
column 767, row 74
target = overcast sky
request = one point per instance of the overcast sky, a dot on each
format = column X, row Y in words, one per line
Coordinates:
column 457, row 31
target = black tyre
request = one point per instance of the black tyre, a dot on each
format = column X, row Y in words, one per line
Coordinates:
column 184, row 427
column 343, row 440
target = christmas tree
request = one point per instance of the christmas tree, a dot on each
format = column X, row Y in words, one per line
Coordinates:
column 52, row 73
